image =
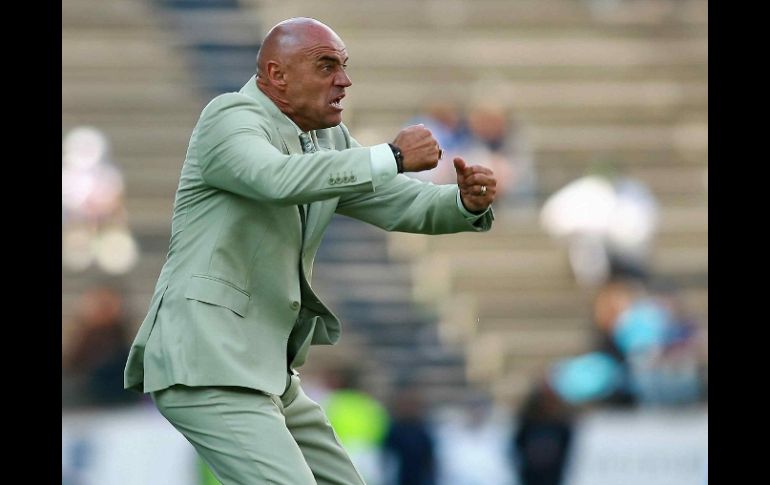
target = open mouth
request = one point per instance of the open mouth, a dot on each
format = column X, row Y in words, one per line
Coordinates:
column 336, row 103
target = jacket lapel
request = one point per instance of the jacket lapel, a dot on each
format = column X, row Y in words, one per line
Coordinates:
column 318, row 210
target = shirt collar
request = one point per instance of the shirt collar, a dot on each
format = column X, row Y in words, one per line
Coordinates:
column 310, row 133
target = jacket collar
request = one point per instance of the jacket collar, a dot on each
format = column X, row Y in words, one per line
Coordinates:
column 284, row 126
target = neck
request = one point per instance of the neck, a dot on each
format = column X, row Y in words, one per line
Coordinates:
column 280, row 102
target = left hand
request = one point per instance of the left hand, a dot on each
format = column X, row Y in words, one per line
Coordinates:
column 471, row 179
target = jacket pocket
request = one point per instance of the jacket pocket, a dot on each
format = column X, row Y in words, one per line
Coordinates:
column 215, row 291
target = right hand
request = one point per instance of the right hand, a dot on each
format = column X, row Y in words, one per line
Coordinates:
column 419, row 148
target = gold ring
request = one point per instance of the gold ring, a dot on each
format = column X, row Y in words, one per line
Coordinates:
column 483, row 190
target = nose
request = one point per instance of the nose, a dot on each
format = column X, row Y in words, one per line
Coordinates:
column 343, row 79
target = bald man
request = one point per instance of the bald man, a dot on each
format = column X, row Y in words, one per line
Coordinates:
column 233, row 314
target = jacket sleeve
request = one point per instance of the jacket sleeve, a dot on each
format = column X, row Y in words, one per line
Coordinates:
column 236, row 153
column 409, row 205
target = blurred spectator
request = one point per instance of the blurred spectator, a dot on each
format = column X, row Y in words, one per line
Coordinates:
column 447, row 123
column 94, row 225
column 486, row 136
column 360, row 422
column 498, row 142
column 450, row 128
column 543, row 437
column 608, row 222
column 660, row 345
column 94, row 350
column 587, row 378
column 611, row 299
column 647, row 353
column 472, row 446
column 409, row 444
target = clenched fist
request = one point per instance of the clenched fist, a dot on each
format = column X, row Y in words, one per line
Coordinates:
column 419, row 148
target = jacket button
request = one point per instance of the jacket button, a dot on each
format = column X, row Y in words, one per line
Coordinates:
column 294, row 305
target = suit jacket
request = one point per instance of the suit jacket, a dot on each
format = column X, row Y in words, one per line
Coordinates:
column 234, row 298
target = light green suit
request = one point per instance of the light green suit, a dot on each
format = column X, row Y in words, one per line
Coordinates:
column 236, row 280
column 233, row 299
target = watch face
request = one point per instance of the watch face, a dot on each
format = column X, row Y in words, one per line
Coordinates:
column 396, row 152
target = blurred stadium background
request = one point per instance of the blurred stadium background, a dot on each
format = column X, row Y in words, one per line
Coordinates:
column 473, row 324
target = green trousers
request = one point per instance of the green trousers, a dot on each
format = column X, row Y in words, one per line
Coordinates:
column 248, row 437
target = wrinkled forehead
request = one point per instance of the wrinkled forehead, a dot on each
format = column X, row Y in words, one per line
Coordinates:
column 318, row 42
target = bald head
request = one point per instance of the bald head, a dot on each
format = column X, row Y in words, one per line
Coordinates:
column 301, row 68
column 289, row 37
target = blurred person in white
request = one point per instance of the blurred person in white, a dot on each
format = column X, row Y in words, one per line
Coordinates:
column 472, row 445
column 94, row 223
column 608, row 222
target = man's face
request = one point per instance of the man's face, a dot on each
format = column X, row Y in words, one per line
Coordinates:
column 316, row 81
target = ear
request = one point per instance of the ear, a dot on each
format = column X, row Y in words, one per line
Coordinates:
column 275, row 74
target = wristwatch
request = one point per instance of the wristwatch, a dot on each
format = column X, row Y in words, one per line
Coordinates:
column 398, row 156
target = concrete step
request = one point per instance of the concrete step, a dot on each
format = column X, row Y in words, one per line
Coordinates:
column 530, row 303
column 511, row 238
column 216, row 26
column 533, row 324
column 528, row 96
column 547, row 72
column 591, row 141
column 688, row 260
column 150, row 214
column 143, row 97
column 489, row 50
column 383, row 120
column 81, row 72
column 183, row 115
column 346, row 17
column 361, row 272
column 128, row 15
column 521, row 342
column 661, row 180
column 121, row 50
column 489, row 354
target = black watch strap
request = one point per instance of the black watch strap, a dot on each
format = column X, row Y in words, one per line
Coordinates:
column 398, row 156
